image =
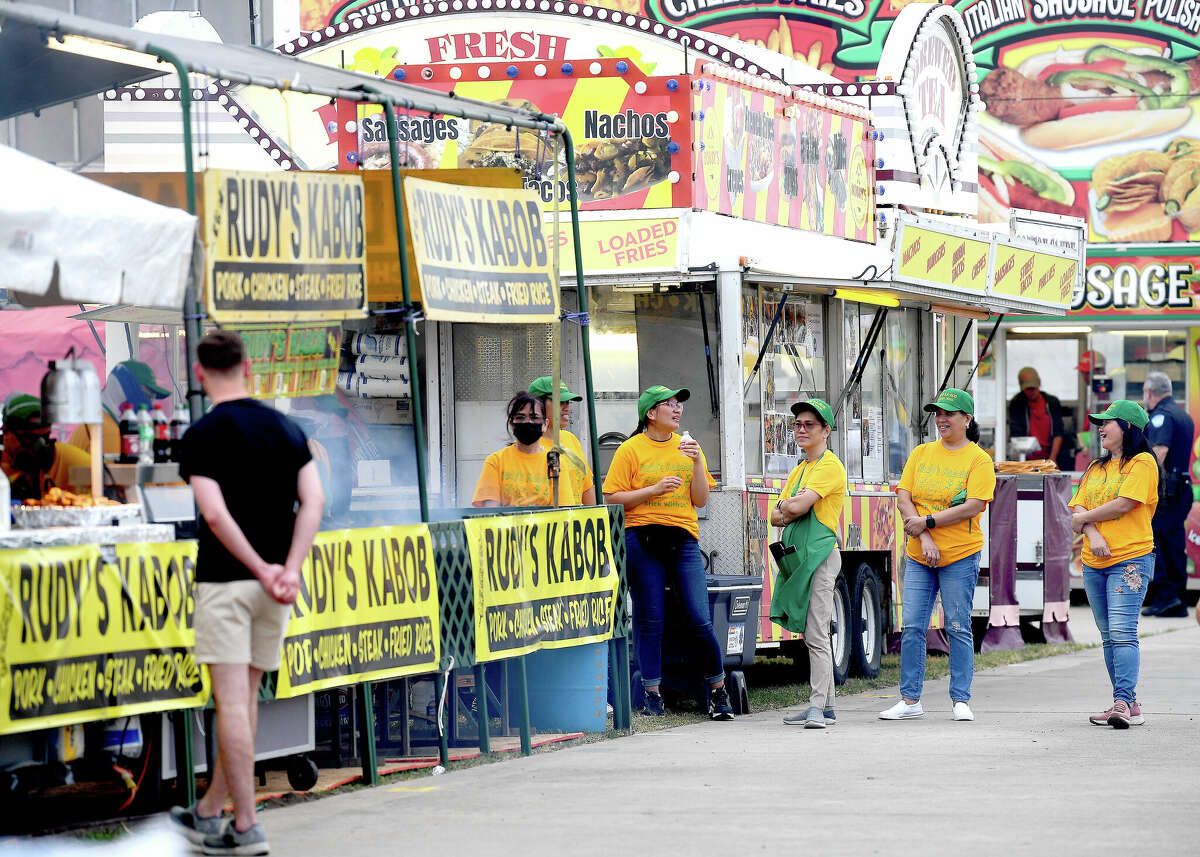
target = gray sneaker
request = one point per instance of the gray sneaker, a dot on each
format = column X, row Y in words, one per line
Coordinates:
column 248, row 843
column 810, row 718
column 195, row 826
column 830, row 717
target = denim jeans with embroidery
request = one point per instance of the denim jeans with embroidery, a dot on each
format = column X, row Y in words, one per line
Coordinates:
column 1116, row 594
column 956, row 582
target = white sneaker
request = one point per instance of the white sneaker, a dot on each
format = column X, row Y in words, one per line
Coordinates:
column 903, row 711
column 962, row 711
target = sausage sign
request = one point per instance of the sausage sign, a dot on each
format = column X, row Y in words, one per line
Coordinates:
column 545, row 580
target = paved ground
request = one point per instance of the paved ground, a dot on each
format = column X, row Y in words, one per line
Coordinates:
column 1029, row 775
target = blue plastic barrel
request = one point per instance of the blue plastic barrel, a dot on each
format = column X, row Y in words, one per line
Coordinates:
column 568, row 688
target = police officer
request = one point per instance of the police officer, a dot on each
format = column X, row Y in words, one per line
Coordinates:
column 1170, row 433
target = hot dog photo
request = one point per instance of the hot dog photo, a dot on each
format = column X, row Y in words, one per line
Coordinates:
column 1100, row 126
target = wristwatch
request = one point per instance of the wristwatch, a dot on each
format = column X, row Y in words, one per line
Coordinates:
column 930, row 523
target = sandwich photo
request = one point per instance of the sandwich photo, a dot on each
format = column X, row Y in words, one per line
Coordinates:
column 1009, row 178
column 1142, row 196
column 1068, row 99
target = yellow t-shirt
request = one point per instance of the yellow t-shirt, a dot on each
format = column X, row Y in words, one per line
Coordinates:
column 110, row 441
column 934, row 475
column 827, row 477
column 515, row 478
column 59, row 474
column 1130, row 535
column 642, row 461
column 583, row 480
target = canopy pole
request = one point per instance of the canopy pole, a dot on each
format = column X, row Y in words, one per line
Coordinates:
column 409, row 325
column 584, row 329
column 193, row 310
column 185, row 765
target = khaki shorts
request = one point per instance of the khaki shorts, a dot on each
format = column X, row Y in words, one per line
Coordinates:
column 239, row 623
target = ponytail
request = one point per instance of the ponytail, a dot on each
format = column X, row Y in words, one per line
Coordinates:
column 641, row 427
column 973, row 431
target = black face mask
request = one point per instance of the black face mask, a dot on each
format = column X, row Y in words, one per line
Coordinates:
column 527, row 433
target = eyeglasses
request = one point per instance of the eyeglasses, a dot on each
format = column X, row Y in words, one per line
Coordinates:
column 521, row 419
column 673, row 404
column 807, row 425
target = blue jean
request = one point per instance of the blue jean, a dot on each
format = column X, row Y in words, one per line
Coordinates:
column 1116, row 594
column 921, row 584
column 649, row 574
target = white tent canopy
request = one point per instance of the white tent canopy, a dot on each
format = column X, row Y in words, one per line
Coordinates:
column 67, row 239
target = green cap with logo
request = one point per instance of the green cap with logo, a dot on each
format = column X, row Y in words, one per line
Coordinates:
column 658, row 394
column 819, row 407
column 952, row 399
column 543, row 388
column 1123, row 409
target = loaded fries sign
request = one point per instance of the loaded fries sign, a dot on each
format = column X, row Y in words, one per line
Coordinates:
column 284, row 246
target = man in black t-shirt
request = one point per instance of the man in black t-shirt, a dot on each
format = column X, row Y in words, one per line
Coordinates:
column 260, row 502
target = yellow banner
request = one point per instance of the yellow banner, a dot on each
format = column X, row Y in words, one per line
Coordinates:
column 615, row 246
column 368, row 609
column 481, row 253
column 291, row 360
column 545, row 580
column 91, row 633
column 284, row 246
column 943, row 259
column 1014, row 272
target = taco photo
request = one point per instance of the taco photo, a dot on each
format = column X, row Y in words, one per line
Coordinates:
column 1067, row 99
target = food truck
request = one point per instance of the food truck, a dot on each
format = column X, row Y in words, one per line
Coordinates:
column 752, row 229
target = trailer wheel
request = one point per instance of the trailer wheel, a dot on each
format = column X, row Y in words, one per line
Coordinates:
column 841, row 633
column 867, row 624
column 739, row 693
column 302, row 773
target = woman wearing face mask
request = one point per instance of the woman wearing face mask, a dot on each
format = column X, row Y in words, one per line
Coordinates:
column 1112, row 508
column 516, row 475
column 661, row 478
column 810, row 508
column 943, row 490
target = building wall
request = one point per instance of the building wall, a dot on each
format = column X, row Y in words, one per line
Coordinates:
column 72, row 135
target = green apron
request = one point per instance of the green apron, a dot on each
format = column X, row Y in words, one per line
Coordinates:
column 804, row 545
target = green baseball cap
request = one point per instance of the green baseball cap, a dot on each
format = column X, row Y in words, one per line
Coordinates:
column 543, row 387
column 1123, row 409
column 144, row 375
column 952, row 399
column 658, row 394
column 819, row 407
column 22, row 410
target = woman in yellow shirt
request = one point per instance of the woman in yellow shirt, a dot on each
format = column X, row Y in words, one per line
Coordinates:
column 516, row 475
column 943, row 490
column 660, row 478
column 810, row 509
column 1112, row 508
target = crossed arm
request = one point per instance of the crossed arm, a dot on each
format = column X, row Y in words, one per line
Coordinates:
column 282, row 582
column 1084, row 521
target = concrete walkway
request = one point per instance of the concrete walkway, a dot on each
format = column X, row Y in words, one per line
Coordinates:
column 1029, row 775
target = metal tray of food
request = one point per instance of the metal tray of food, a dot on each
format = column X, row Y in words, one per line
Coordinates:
column 37, row 517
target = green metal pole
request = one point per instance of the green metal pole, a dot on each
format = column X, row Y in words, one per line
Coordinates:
column 523, row 706
column 409, row 324
column 185, row 763
column 439, row 688
column 366, row 733
column 193, row 309
column 481, row 691
column 584, row 329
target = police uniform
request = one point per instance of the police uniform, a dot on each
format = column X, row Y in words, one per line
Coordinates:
column 1170, row 426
